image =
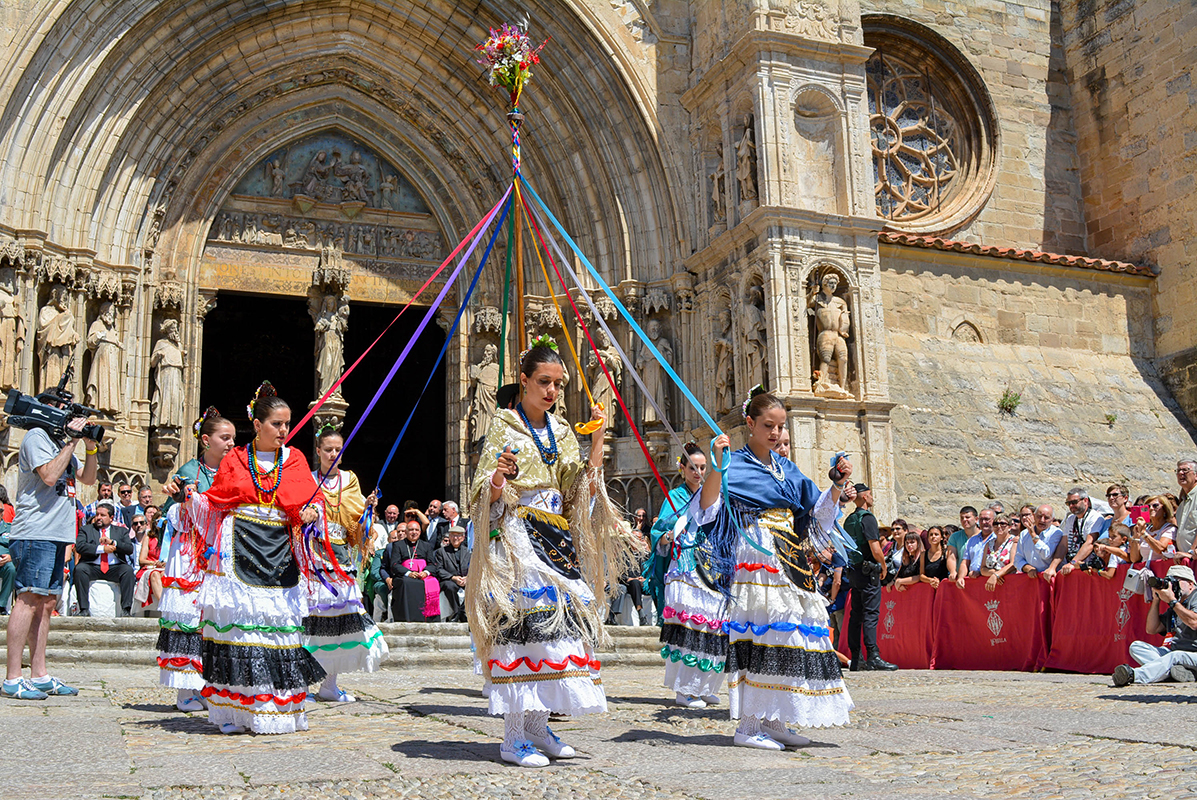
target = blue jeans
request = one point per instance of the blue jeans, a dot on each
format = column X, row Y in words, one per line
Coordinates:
column 39, row 566
column 1157, row 661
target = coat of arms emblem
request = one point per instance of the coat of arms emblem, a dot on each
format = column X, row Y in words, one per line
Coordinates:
column 888, row 622
column 994, row 621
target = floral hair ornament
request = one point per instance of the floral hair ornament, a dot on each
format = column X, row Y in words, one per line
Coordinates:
column 265, row 390
column 753, row 392
column 198, row 425
column 684, row 458
column 326, row 428
column 544, row 340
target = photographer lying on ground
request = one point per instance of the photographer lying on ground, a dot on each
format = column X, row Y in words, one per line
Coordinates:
column 1179, row 657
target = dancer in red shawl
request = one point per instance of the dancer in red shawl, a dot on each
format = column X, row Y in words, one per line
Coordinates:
column 258, row 516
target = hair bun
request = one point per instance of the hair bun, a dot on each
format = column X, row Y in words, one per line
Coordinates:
column 265, row 390
column 198, row 426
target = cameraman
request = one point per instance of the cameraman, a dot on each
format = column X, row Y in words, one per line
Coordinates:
column 1180, row 654
column 45, row 525
column 866, row 572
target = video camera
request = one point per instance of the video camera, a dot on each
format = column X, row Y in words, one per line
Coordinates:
column 1165, row 583
column 44, row 412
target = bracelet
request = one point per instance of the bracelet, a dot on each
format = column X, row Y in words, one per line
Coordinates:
column 497, row 485
column 91, row 452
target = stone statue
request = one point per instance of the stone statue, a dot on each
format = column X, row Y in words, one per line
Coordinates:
column 331, row 323
column 756, row 335
column 833, row 323
column 601, row 389
column 166, row 407
column 719, row 190
column 652, row 373
column 485, row 377
column 12, row 333
column 103, row 390
column 746, row 162
column 278, row 177
column 56, row 338
column 316, row 174
column 389, row 188
column 562, row 409
column 725, row 369
column 355, row 177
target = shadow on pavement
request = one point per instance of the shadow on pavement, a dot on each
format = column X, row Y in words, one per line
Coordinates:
column 151, row 708
column 473, row 693
column 444, row 750
column 1150, row 699
column 178, row 724
column 442, row 710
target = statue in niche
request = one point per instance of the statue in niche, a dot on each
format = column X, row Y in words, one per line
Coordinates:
column 833, row 324
column 719, row 190
column 756, row 335
column 725, row 368
column 746, row 162
column 103, row 390
column 332, row 320
column 56, row 338
column 485, row 377
column 389, row 188
column 653, row 374
column 316, row 173
column 599, row 386
column 12, row 332
column 563, row 395
column 168, row 358
column 277, row 173
column 355, row 177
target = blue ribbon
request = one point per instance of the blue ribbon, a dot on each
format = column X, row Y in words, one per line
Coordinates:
column 622, row 310
column 785, row 627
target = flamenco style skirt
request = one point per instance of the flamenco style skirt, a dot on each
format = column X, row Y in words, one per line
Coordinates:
column 336, row 629
column 541, row 662
column 256, row 669
column 180, row 644
column 693, row 642
column 780, row 660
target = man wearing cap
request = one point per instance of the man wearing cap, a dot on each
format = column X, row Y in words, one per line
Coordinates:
column 450, row 565
column 865, row 574
column 1178, row 658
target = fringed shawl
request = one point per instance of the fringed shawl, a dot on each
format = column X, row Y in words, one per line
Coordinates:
column 603, row 545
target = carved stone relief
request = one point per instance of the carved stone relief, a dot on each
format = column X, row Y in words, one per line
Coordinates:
column 56, row 337
column 330, row 313
column 718, row 190
column 12, row 331
column 755, row 333
column 725, row 369
column 484, row 376
column 746, row 164
column 653, row 375
column 103, row 387
column 600, row 387
column 488, row 320
column 167, row 360
column 833, row 326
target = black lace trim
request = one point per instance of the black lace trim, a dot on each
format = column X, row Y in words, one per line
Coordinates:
column 681, row 637
column 180, row 643
column 341, row 625
column 784, row 662
column 535, row 627
column 290, row 668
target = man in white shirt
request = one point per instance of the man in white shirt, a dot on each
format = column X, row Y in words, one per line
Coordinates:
column 974, row 548
column 1037, row 545
column 1081, row 528
column 1186, row 512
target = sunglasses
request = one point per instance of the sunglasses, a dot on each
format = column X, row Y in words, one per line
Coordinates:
column 1114, row 494
column 126, row 491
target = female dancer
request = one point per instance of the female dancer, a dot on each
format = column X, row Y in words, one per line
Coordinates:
column 256, row 671
column 337, row 631
column 781, row 665
column 179, row 640
column 554, row 535
column 694, row 644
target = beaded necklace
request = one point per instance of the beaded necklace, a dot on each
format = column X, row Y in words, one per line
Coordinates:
column 547, row 454
column 276, row 470
column 775, row 469
column 329, row 503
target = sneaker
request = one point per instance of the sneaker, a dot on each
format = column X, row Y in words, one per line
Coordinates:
column 689, row 701
column 232, row 728
column 780, row 733
column 51, row 685
column 551, row 745
column 22, row 690
column 1183, row 674
column 711, row 699
column 339, row 696
column 189, row 703
column 761, row 741
column 1123, row 675
column 525, row 754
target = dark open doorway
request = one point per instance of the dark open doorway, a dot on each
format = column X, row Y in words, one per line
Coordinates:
column 248, row 338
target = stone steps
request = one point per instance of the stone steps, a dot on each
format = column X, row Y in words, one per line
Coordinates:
column 132, row 641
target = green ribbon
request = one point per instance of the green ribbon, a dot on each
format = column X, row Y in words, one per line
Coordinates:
column 311, row 648
column 691, row 660
column 185, row 628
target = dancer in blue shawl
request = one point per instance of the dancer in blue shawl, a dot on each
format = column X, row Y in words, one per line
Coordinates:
column 693, row 642
column 781, row 667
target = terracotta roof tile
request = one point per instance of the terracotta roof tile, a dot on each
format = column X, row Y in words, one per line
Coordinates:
column 1080, row 262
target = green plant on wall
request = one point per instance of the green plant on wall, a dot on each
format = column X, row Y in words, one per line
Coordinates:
column 1111, row 418
column 1009, row 401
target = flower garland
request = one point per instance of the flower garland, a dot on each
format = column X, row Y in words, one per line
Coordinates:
column 509, row 56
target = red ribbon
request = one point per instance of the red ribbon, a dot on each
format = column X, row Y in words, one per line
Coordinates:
column 249, row 699
column 179, row 662
column 536, row 666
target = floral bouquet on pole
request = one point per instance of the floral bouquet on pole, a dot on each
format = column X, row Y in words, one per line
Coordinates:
column 509, row 55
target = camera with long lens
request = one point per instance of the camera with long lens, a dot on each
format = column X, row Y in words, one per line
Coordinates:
column 1155, row 582
column 51, row 411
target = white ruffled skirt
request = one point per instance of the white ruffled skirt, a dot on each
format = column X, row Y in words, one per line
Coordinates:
column 180, row 644
column 693, row 643
column 337, row 630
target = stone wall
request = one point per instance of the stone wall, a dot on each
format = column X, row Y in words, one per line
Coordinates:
column 1132, row 65
column 1016, row 49
column 1076, row 346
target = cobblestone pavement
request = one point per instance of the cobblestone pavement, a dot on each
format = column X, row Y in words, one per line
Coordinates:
column 413, row 735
